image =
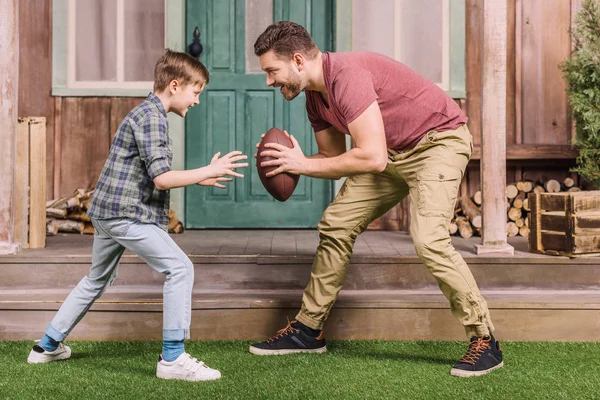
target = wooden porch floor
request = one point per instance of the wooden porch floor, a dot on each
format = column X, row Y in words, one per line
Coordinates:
column 302, row 243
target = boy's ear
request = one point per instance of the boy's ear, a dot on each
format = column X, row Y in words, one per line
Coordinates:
column 174, row 86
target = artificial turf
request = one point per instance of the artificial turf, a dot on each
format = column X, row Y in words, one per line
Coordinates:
column 349, row 370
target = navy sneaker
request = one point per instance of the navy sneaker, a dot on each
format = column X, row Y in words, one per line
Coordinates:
column 483, row 356
column 289, row 340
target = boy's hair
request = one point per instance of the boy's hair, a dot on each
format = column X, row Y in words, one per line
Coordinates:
column 174, row 65
column 286, row 38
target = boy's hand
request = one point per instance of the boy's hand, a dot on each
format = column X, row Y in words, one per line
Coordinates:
column 215, row 182
column 224, row 166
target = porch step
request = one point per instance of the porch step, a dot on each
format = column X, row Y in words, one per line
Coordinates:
column 292, row 273
column 135, row 313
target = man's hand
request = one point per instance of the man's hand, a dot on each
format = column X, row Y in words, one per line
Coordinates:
column 224, row 166
column 287, row 159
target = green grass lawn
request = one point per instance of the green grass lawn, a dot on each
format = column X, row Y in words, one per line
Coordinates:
column 350, row 370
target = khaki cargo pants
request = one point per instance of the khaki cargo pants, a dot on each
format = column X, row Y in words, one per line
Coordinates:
column 431, row 173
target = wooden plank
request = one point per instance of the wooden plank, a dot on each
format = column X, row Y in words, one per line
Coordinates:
column 22, row 184
column 587, row 223
column 545, row 43
column 534, row 152
column 584, row 244
column 586, row 201
column 84, row 141
column 260, row 242
column 57, row 146
column 37, row 182
column 535, row 237
column 474, row 34
column 284, row 242
column 553, row 201
column 518, row 88
column 379, row 244
column 35, row 72
column 511, row 73
column 555, row 221
column 554, row 241
column 119, row 108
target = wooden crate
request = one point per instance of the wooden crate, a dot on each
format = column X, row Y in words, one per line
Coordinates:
column 565, row 224
column 30, row 182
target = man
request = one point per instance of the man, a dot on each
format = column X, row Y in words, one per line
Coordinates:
column 409, row 138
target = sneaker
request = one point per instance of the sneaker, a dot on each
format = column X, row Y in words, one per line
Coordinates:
column 185, row 368
column 483, row 356
column 39, row 355
column 290, row 340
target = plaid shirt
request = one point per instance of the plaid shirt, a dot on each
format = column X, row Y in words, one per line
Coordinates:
column 141, row 150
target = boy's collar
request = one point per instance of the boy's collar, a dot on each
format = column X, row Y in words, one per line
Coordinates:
column 154, row 99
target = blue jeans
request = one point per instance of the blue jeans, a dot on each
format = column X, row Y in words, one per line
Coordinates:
column 157, row 249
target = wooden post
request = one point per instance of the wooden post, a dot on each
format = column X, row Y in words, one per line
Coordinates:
column 493, row 135
column 9, row 71
column 37, row 182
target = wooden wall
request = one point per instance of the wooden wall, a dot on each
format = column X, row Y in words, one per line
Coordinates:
column 79, row 130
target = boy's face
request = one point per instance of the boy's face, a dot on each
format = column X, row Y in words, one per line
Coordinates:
column 184, row 97
column 282, row 73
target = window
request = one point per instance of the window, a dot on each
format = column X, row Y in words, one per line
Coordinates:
column 426, row 35
column 107, row 47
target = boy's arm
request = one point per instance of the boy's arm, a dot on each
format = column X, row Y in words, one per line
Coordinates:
column 213, row 173
column 152, row 140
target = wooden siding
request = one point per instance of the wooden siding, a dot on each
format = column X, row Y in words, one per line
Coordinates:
column 80, row 129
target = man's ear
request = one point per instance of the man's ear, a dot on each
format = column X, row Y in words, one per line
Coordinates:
column 298, row 60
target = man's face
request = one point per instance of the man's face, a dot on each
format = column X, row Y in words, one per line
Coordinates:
column 186, row 97
column 282, row 73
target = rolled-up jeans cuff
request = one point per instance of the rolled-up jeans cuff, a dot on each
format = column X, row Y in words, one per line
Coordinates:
column 176, row 334
column 54, row 334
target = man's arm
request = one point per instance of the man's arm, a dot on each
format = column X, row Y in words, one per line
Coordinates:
column 368, row 156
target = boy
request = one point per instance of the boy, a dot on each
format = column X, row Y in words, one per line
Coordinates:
column 130, row 210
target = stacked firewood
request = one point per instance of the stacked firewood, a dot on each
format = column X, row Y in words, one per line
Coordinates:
column 467, row 214
column 69, row 214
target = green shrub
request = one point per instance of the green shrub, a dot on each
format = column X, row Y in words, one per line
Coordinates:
column 582, row 74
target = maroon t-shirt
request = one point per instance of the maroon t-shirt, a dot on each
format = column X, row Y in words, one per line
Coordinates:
column 410, row 104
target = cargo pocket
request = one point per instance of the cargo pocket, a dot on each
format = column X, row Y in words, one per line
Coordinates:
column 437, row 191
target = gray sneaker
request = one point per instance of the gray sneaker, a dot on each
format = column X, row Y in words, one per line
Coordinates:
column 39, row 355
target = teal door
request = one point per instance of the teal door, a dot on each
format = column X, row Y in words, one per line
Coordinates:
column 237, row 107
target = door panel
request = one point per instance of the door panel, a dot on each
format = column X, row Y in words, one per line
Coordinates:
column 237, row 107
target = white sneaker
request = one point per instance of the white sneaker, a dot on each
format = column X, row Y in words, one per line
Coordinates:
column 186, row 368
column 39, row 355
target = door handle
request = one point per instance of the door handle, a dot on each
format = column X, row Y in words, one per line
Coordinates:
column 195, row 48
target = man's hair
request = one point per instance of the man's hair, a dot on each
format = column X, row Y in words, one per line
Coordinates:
column 174, row 65
column 286, row 38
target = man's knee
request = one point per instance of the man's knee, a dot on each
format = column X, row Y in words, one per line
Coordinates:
column 428, row 246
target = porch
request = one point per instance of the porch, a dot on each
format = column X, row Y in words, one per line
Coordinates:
column 249, row 281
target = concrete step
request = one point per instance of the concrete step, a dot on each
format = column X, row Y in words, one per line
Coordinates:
column 292, row 272
column 135, row 313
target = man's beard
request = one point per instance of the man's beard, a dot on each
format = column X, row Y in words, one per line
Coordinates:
column 293, row 88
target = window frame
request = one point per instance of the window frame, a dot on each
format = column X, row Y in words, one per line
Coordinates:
column 63, row 58
column 454, row 50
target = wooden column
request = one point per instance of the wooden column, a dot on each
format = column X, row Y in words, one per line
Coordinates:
column 9, row 73
column 493, row 135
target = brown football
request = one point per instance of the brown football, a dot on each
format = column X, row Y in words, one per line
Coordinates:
column 280, row 186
